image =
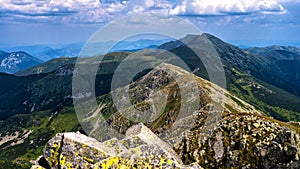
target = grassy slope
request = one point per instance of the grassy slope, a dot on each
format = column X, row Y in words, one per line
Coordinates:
column 18, row 156
column 271, row 100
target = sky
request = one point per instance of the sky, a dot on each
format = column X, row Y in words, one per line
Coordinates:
column 241, row 22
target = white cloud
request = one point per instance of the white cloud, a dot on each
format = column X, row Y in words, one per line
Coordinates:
column 46, row 6
column 221, row 7
column 96, row 11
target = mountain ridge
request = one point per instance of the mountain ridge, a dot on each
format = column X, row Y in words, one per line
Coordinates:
column 233, row 134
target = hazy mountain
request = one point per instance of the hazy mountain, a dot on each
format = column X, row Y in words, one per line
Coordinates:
column 16, row 61
column 48, row 52
column 269, row 50
column 243, row 46
column 28, row 49
column 136, row 45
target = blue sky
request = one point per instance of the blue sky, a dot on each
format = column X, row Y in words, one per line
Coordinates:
column 245, row 22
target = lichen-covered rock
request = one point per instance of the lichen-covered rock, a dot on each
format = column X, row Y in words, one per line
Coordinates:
column 140, row 149
column 73, row 150
column 241, row 141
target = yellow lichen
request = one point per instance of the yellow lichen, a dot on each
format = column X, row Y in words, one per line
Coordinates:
column 161, row 161
column 170, row 162
column 110, row 162
column 88, row 159
column 62, row 160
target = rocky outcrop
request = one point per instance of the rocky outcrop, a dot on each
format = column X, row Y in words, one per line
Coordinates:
column 140, row 149
column 241, row 141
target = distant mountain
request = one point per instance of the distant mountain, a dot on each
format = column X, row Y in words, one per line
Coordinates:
column 48, row 52
column 136, row 45
column 277, row 52
column 55, row 64
column 16, row 61
column 243, row 46
column 283, row 64
column 51, row 53
column 48, row 66
column 28, row 49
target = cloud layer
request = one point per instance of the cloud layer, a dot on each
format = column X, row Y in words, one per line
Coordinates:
column 102, row 11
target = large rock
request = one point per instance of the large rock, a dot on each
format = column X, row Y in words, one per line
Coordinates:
column 140, row 149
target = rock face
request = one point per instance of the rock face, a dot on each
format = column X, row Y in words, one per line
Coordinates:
column 140, row 149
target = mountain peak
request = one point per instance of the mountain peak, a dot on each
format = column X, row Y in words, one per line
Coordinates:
column 195, row 40
column 190, row 37
column 193, row 37
column 15, row 61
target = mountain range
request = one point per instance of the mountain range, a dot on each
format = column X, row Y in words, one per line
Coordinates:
column 48, row 52
column 261, row 82
column 252, row 77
